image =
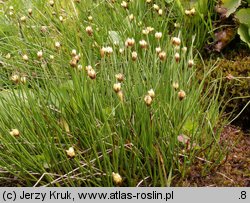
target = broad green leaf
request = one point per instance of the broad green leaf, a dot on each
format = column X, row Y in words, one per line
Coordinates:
column 115, row 38
column 190, row 126
column 243, row 16
column 231, row 6
column 243, row 31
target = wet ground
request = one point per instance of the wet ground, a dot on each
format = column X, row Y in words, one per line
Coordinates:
column 234, row 171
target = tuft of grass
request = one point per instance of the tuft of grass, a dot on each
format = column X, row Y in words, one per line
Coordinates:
column 74, row 129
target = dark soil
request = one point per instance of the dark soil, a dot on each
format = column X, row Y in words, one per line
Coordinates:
column 234, row 170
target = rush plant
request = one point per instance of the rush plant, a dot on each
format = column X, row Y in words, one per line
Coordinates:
column 92, row 95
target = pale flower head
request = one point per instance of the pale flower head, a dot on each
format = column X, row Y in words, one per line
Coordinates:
column 51, row 3
column 143, row 44
column 119, row 77
column 117, row 178
column 184, row 49
column 175, row 85
column 124, row 4
column 117, row 87
column 88, row 68
column 160, row 12
column 23, row 80
column 181, row 95
column 30, row 11
column 15, row 132
column 25, row 57
column 192, row 11
column 148, row 100
column 190, row 63
column 176, row 41
column 89, row 30
column 134, row 55
column 57, row 45
column 71, row 152
column 15, row 78
column 73, row 52
column 162, row 55
column 129, row 42
column 156, row 7
column 8, row 56
column 23, row 18
column 131, row 17
column 151, row 93
column 40, row 54
column 158, row 35
column 92, row 74
column 158, row 50
column 177, row 57
column 90, row 18
column 61, row 18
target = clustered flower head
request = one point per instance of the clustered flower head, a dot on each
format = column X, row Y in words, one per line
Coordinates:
column 190, row 63
column 117, row 87
column 181, row 95
column 15, row 133
column 190, row 12
column 51, row 3
column 11, row 8
column 131, row 17
column 117, row 178
column 151, row 93
column 8, row 56
column 158, row 35
column 177, row 57
column 106, row 51
column 160, row 12
column 57, row 45
column 156, row 7
column 176, row 41
column 177, row 25
column 90, row 18
column 15, row 78
column 162, row 55
column 148, row 99
column 158, row 50
column 91, row 72
column 175, row 85
column 134, row 55
column 143, row 44
column 119, row 77
column 147, row 30
column 23, row 19
column 30, row 11
column 124, row 4
column 40, row 54
column 184, row 49
column 73, row 53
column 75, row 58
column 129, row 42
column 44, row 29
column 89, row 30
column 71, row 152
column 61, row 18
column 25, row 57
